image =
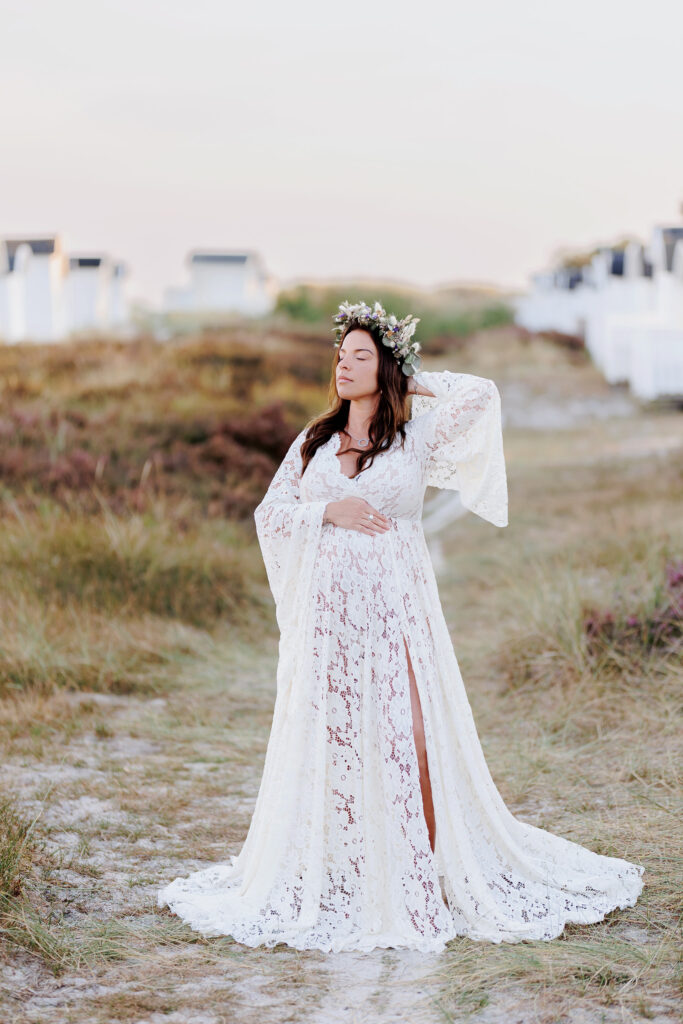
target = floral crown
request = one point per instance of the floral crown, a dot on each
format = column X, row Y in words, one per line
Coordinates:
column 396, row 334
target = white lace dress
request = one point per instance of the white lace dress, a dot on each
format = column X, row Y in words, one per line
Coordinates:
column 337, row 856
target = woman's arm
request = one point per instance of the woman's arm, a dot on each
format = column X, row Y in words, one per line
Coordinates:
column 288, row 531
column 462, row 439
column 418, row 389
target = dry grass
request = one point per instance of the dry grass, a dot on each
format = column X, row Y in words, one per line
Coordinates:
column 137, row 660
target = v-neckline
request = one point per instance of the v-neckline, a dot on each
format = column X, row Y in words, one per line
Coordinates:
column 338, row 437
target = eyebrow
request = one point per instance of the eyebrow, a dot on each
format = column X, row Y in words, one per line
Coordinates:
column 358, row 349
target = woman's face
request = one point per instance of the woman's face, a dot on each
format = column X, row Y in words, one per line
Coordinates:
column 356, row 370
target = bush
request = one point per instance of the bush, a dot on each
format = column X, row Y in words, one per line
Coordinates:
column 642, row 632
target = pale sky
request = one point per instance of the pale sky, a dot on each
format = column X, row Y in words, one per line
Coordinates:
column 428, row 142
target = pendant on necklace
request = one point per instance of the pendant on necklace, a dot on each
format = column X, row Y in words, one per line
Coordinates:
column 363, row 442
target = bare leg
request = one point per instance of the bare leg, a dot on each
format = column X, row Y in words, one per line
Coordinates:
column 420, row 746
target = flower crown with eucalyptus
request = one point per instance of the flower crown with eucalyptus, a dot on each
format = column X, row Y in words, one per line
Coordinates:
column 396, row 334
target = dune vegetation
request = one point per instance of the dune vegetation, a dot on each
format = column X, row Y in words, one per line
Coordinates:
column 138, row 647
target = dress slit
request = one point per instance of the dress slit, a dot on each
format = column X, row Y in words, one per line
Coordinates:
column 411, row 670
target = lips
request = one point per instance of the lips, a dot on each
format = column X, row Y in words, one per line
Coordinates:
column 345, row 380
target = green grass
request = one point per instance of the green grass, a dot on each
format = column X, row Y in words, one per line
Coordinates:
column 130, row 566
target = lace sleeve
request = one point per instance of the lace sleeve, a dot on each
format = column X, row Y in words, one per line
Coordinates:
column 288, row 531
column 463, row 440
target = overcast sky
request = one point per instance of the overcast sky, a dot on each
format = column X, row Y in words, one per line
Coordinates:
column 428, row 142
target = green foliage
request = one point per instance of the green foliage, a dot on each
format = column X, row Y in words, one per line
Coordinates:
column 440, row 319
column 299, row 304
column 131, row 567
column 633, row 630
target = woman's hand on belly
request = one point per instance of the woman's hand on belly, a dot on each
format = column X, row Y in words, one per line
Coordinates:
column 354, row 514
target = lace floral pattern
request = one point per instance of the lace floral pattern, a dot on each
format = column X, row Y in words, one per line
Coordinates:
column 337, row 856
column 464, row 440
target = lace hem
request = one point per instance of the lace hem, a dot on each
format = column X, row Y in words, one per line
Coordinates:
column 185, row 901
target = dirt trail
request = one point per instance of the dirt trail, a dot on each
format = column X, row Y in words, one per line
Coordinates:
column 155, row 794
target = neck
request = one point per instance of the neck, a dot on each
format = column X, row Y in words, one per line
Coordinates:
column 361, row 412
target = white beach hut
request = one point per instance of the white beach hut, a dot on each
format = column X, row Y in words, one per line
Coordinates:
column 32, row 289
column 46, row 295
column 656, row 348
column 95, row 290
column 223, row 281
column 627, row 305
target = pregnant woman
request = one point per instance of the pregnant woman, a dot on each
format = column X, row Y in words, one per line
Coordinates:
column 377, row 822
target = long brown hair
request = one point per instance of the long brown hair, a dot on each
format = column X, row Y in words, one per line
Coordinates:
column 390, row 414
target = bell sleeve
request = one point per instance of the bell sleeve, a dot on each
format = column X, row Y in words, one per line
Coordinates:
column 462, row 440
column 288, row 531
